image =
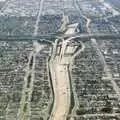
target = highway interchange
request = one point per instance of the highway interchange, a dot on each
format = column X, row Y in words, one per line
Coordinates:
column 59, row 65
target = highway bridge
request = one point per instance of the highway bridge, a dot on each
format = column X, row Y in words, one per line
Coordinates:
column 52, row 37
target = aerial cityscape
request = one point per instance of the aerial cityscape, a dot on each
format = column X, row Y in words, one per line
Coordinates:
column 59, row 59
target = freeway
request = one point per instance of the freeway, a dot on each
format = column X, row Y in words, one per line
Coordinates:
column 54, row 36
column 60, row 81
column 96, row 115
column 98, row 36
